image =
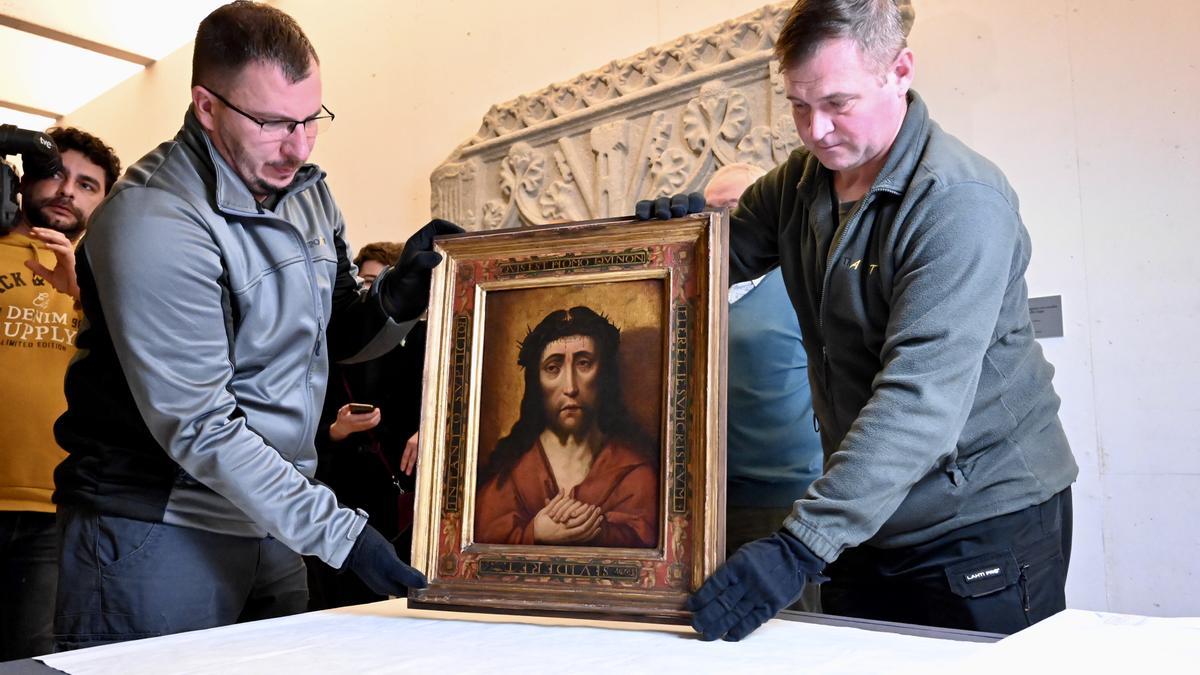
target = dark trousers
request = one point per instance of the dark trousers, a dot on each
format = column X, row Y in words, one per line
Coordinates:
column 1000, row 575
column 28, row 575
column 123, row 579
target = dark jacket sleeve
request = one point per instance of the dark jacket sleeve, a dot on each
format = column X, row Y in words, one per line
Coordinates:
column 754, row 225
column 359, row 327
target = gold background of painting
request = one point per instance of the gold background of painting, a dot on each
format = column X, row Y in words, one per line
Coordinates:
column 635, row 307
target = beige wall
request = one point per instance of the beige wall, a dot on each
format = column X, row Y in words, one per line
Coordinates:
column 1088, row 105
column 409, row 81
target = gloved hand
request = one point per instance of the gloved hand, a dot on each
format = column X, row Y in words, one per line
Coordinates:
column 404, row 288
column 374, row 560
column 665, row 208
column 757, row 581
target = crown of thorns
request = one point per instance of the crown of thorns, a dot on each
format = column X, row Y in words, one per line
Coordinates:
column 563, row 323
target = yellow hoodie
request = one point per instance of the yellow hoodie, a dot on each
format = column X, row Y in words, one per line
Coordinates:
column 38, row 326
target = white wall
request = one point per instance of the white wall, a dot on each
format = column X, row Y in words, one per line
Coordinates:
column 1137, row 103
column 1090, row 106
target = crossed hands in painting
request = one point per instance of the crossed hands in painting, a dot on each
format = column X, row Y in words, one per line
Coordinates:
column 566, row 520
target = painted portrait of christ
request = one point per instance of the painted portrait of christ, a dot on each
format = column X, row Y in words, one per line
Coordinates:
column 577, row 467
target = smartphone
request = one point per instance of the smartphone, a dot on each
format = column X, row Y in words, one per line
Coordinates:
column 360, row 408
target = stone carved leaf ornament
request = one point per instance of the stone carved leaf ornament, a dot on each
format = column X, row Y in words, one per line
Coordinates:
column 552, row 201
column 757, row 147
column 543, row 159
column 669, row 172
column 784, row 138
column 667, row 64
column 598, row 88
column 523, row 168
column 561, row 201
column 706, row 51
column 746, row 37
column 493, row 214
column 629, row 76
column 534, row 109
column 564, row 99
column 716, row 122
column 522, row 173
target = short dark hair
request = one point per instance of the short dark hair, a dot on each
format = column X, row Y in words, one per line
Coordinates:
column 382, row 252
column 875, row 25
column 94, row 149
column 243, row 32
column 611, row 415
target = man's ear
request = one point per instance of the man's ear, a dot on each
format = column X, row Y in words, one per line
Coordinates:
column 202, row 103
column 902, row 70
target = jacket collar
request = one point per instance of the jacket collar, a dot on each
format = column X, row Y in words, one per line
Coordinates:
column 230, row 192
column 902, row 159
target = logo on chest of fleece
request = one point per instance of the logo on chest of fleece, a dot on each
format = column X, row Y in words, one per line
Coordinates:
column 860, row 266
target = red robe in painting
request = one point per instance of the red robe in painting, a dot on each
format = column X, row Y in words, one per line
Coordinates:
column 622, row 482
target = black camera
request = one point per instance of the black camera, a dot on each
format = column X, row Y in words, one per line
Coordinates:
column 38, row 154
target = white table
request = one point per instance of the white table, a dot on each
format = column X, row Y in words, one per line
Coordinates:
column 388, row 637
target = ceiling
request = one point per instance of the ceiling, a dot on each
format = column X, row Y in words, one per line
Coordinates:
column 56, row 55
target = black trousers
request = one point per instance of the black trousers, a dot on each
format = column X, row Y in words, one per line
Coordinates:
column 28, row 577
column 1000, row 575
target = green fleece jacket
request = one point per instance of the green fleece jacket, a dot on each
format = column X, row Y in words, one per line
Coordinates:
column 935, row 403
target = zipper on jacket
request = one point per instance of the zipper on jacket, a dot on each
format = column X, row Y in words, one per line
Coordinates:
column 308, row 261
column 834, row 252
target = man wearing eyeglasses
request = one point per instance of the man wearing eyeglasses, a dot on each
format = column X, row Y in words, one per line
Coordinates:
column 216, row 287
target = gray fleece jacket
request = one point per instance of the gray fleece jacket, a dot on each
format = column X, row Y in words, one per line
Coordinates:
column 935, row 403
column 210, row 320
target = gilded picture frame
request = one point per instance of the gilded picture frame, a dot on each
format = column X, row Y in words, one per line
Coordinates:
column 644, row 383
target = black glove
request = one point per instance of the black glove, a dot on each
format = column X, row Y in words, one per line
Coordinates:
column 757, row 581
column 665, row 208
column 374, row 560
column 404, row 288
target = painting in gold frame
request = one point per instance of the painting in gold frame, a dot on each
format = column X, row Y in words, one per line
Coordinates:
column 572, row 434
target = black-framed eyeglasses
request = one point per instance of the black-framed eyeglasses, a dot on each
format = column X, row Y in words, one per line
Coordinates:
column 280, row 129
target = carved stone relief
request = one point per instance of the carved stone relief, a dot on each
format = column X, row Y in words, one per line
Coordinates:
column 657, row 123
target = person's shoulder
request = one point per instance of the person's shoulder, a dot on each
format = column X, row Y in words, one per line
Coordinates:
column 164, row 179
column 165, row 166
column 951, row 168
column 799, row 163
column 14, row 238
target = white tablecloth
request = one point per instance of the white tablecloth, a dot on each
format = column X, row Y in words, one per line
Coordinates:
column 389, row 638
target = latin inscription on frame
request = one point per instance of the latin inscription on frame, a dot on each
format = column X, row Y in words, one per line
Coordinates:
column 558, row 569
column 462, row 344
column 680, row 419
column 632, row 258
